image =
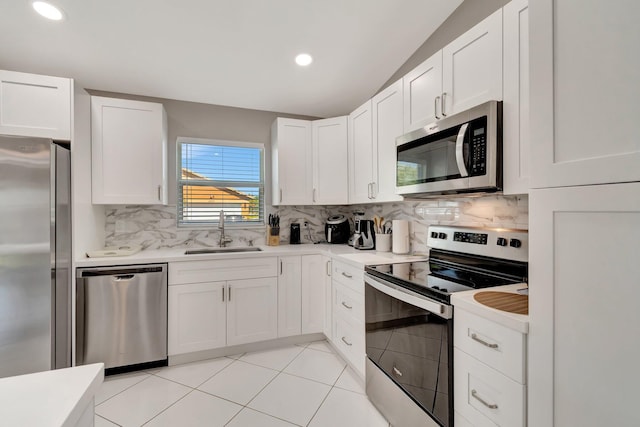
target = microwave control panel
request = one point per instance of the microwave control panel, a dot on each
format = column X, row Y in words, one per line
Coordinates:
column 478, row 147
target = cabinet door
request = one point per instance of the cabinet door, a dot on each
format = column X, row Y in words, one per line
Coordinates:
column 289, row 296
column 292, row 161
column 252, row 313
column 35, row 105
column 515, row 107
column 313, row 293
column 196, row 317
column 330, row 164
column 128, row 158
column 328, row 322
column 387, row 126
column 472, row 67
column 584, row 293
column 585, row 95
column 422, row 89
column 361, row 160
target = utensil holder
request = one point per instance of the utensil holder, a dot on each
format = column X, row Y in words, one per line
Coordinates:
column 383, row 242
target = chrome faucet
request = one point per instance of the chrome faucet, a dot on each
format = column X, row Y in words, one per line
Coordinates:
column 223, row 239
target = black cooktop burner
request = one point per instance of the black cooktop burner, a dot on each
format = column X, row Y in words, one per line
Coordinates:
column 446, row 273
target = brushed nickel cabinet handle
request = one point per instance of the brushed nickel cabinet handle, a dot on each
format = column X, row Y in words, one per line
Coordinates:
column 348, row 276
column 229, row 293
column 483, row 342
column 223, row 294
column 159, row 190
column 329, row 268
column 435, row 106
column 346, row 342
column 281, row 268
column 314, row 195
column 348, row 306
column 397, row 371
column 281, row 195
column 444, row 103
column 484, row 402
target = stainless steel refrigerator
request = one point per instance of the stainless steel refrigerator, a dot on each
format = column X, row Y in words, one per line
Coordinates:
column 35, row 256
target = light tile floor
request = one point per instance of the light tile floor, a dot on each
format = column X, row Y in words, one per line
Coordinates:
column 301, row 385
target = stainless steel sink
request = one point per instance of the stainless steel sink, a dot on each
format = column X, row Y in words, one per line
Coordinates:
column 221, row 250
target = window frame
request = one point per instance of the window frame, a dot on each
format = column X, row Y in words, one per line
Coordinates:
column 180, row 183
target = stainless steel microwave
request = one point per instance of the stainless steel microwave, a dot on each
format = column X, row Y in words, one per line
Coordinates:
column 457, row 154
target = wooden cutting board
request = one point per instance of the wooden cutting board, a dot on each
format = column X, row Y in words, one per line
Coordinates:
column 505, row 301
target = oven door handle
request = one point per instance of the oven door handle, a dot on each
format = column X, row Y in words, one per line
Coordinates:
column 460, row 150
column 398, row 292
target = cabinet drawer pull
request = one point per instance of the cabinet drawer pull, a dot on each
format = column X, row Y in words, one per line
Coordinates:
column 314, row 195
column 397, row 372
column 484, row 402
column 281, row 195
column 328, row 268
column 346, row 342
column 483, row 342
column 348, row 276
column 348, row 306
column 229, row 293
column 223, row 294
column 435, row 106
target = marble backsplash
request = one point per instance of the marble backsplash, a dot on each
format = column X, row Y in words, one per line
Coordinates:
column 154, row 227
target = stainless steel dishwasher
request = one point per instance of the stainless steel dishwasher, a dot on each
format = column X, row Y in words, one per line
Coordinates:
column 121, row 315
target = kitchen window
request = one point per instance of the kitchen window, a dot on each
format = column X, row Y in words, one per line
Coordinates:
column 217, row 175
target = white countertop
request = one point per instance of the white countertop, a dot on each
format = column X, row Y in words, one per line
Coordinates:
column 345, row 253
column 466, row 301
column 51, row 398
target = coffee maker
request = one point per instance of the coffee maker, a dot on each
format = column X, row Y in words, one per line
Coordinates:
column 357, row 216
column 365, row 232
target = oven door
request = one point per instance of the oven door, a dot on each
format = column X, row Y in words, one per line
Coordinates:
column 410, row 338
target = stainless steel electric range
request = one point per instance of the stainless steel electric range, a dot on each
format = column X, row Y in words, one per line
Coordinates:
column 409, row 318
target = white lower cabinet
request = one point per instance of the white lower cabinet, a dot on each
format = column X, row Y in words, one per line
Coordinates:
column 211, row 314
column 313, row 293
column 197, row 317
column 348, row 314
column 489, row 372
column 327, row 328
column 251, row 310
column 289, row 296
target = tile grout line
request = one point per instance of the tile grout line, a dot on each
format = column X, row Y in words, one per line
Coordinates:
column 165, row 409
column 122, row 391
column 106, row 419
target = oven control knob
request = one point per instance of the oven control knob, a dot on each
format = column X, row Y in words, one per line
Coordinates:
column 515, row 243
column 442, row 235
column 501, row 241
column 434, row 235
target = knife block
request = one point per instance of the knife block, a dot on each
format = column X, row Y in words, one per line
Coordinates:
column 273, row 236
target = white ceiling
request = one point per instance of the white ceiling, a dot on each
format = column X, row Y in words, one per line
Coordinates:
column 235, row 52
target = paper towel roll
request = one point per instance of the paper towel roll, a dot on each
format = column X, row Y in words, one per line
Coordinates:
column 400, row 236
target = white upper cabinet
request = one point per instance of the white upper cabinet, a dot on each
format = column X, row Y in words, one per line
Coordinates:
column 585, row 95
column 362, row 166
column 422, row 89
column 515, row 107
column 128, row 152
column 472, row 67
column 330, row 164
column 35, row 105
column 292, row 160
column 387, row 126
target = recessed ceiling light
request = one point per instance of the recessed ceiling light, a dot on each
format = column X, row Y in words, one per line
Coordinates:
column 304, row 59
column 48, row 10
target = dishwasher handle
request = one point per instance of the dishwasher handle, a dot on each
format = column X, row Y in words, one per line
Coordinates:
column 120, row 272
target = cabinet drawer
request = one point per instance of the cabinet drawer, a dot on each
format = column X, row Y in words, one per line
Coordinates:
column 349, row 276
column 217, row 270
column 484, row 396
column 499, row 347
column 348, row 337
column 348, row 303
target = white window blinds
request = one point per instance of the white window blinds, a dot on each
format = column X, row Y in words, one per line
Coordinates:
column 220, row 175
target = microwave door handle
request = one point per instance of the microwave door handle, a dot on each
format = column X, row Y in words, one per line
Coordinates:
column 459, row 150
